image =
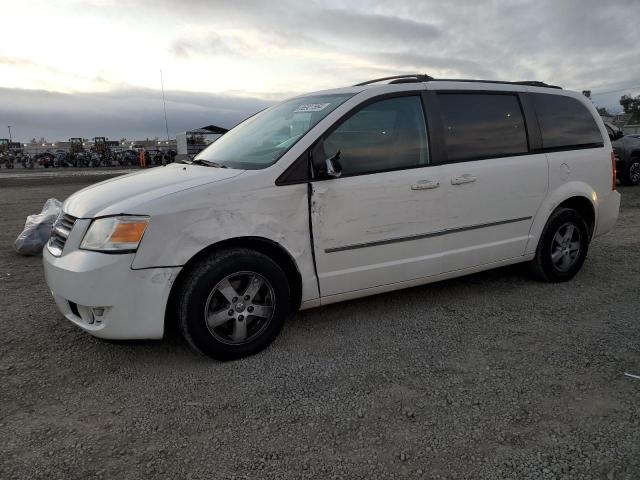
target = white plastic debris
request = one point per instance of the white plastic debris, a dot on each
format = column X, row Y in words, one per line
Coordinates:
column 37, row 229
column 632, row 376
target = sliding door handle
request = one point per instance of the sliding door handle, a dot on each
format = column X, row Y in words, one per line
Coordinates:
column 425, row 185
column 466, row 178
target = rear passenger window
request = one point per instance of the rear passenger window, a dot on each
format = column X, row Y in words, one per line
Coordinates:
column 482, row 125
column 565, row 122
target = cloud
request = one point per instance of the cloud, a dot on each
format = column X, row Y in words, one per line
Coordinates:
column 134, row 113
column 421, row 63
column 373, row 30
column 248, row 46
column 210, row 44
column 557, row 42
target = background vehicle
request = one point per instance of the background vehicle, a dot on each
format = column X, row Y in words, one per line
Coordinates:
column 10, row 153
column 25, row 160
column 76, row 151
column 130, row 157
column 627, row 152
column 103, row 150
column 63, row 159
column 332, row 196
column 45, row 159
column 7, row 160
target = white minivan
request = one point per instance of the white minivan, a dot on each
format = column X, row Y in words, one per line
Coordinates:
column 335, row 195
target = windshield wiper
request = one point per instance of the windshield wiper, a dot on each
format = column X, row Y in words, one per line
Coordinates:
column 207, row 163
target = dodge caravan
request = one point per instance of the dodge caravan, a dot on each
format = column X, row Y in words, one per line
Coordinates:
column 335, row 195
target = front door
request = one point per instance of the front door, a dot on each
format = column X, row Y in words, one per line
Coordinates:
column 376, row 224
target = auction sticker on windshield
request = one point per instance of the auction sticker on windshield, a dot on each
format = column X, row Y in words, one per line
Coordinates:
column 311, row 107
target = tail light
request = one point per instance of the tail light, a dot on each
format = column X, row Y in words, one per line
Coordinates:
column 613, row 170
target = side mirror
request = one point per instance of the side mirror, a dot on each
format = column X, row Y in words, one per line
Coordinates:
column 333, row 167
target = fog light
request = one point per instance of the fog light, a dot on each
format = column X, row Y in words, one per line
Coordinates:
column 96, row 315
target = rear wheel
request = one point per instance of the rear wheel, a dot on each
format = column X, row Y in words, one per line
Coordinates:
column 233, row 304
column 631, row 173
column 563, row 246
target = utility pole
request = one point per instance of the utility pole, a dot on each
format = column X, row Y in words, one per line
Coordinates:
column 10, row 139
column 164, row 106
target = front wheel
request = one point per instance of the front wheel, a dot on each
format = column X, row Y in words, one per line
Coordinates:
column 233, row 304
column 563, row 246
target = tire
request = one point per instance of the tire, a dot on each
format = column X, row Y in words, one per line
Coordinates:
column 222, row 285
column 631, row 172
column 559, row 261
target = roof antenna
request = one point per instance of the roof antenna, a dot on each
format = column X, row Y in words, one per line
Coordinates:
column 164, row 106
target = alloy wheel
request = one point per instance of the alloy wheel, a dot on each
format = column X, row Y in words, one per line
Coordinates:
column 239, row 308
column 565, row 247
column 634, row 173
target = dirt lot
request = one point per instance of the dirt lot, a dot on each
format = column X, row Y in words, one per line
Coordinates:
column 489, row 376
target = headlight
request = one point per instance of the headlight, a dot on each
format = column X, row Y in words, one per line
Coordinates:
column 115, row 234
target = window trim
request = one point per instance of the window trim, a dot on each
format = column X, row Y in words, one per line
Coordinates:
column 530, row 133
column 435, row 131
column 568, row 148
column 284, row 178
column 534, row 134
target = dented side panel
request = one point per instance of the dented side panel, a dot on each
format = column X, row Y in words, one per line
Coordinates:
column 369, row 230
column 192, row 221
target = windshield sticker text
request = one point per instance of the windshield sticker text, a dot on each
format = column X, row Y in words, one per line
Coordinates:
column 311, row 107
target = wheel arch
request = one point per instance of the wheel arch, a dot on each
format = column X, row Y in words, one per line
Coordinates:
column 582, row 205
column 271, row 249
column 576, row 195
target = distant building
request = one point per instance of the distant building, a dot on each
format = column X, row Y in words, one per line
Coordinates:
column 193, row 141
column 621, row 119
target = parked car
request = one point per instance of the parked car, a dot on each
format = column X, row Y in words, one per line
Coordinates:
column 130, row 157
column 626, row 149
column 45, row 159
column 374, row 188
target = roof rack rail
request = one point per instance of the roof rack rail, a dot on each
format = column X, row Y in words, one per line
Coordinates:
column 418, row 77
column 536, row 83
column 415, row 77
column 530, row 83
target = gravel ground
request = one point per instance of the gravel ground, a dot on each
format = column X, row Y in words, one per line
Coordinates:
column 489, row 376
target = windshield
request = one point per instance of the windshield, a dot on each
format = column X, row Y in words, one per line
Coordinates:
column 261, row 140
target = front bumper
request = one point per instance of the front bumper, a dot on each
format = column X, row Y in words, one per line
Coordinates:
column 101, row 294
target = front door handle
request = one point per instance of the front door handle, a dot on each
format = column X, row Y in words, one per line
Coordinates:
column 466, row 178
column 425, row 185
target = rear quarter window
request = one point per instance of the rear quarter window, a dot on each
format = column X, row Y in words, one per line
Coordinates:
column 565, row 122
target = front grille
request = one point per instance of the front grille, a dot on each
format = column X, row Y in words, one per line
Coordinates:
column 61, row 230
column 616, row 154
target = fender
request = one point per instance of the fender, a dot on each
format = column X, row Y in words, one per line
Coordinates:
column 562, row 193
column 193, row 222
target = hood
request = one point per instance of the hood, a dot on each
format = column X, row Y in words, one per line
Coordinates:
column 123, row 194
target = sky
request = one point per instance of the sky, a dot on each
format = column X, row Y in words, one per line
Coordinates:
column 71, row 68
